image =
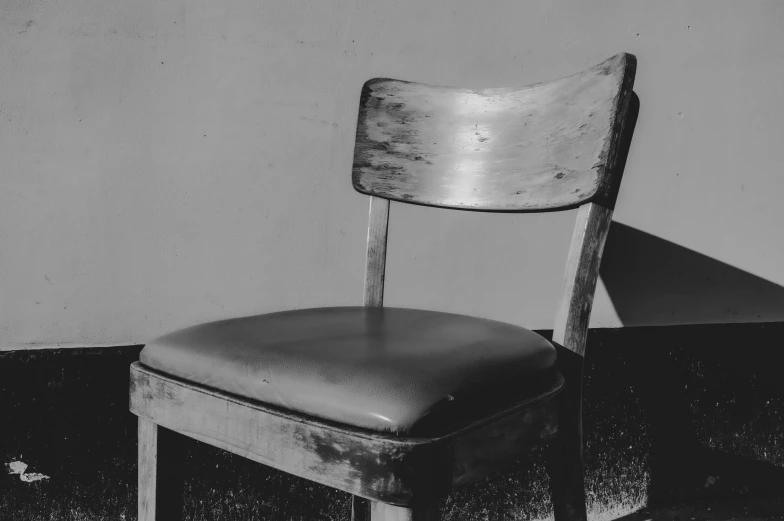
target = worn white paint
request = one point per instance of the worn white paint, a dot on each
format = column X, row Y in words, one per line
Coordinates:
column 166, row 163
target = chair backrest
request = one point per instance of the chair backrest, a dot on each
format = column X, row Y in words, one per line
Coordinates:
column 543, row 147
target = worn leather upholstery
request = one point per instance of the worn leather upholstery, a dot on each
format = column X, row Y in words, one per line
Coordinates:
column 406, row 371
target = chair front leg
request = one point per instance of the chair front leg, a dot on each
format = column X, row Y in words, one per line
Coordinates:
column 360, row 509
column 161, row 473
column 383, row 512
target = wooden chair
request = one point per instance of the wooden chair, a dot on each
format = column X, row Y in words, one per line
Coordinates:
column 400, row 406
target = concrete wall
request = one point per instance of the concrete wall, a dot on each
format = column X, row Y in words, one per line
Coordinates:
column 168, row 162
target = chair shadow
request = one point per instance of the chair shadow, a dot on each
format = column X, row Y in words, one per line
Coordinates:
column 652, row 282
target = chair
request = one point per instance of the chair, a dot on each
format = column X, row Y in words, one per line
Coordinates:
column 400, row 406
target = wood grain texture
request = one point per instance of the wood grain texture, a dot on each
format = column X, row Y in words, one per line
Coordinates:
column 398, row 471
column 582, row 272
column 160, row 473
column 541, row 147
column 148, row 469
column 375, row 262
column 565, row 453
column 376, row 467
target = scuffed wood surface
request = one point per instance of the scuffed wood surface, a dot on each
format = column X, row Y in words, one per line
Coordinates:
column 375, row 262
column 582, row 271
column 160, row 473
column 545, row 146
column 377, row 466
column 148, row 465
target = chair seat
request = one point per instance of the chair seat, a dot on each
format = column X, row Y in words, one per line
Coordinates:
column 406, row 371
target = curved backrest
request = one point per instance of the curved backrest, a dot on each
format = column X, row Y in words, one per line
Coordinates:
column 549, row 146
column 541, row 147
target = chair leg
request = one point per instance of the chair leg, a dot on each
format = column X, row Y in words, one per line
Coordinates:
column 383, row 512
column 161, row 473
column 360, row 509
column 565, row 457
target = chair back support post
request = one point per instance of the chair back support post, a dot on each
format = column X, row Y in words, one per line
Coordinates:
column 579, row 281
column 375, row 262
column 582, row 272
column 591, row 227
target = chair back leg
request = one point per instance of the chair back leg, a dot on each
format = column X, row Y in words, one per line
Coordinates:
column 565, row 451
column 161, row 473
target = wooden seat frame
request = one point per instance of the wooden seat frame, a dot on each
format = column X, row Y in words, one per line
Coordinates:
column 396, row 478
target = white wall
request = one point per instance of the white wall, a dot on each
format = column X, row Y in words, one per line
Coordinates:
column 169, row 162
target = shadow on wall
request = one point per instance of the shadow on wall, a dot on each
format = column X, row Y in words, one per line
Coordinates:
column 654, row 281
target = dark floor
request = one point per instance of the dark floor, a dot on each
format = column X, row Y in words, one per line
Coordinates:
column 688, row 419
column 714, row 510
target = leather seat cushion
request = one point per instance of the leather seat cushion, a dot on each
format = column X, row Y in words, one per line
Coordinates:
column 406, row 371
